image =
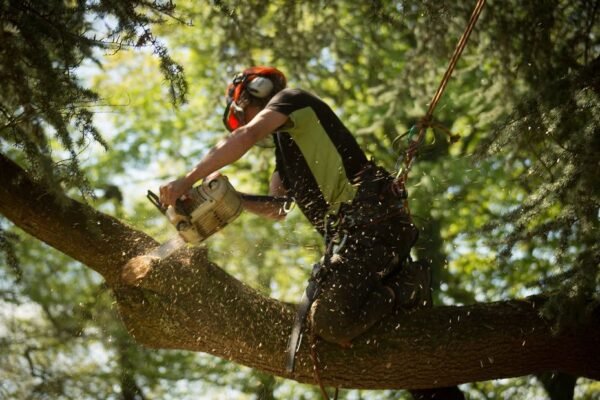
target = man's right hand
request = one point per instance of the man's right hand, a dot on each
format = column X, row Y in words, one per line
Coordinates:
column 173, row 190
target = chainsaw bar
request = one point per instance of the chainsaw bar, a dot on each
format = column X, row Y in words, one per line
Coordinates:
column 167, row 248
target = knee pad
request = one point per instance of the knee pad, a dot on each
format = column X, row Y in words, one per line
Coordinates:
column 329, row 324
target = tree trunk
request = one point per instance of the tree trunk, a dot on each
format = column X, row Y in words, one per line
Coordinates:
column 558, row 386
column 187, row 302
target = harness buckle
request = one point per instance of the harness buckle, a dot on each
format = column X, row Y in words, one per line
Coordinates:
column 339, row 246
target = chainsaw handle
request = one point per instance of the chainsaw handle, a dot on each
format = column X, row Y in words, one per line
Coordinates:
column 155, row 200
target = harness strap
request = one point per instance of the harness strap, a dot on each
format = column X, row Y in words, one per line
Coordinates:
column 335, row 235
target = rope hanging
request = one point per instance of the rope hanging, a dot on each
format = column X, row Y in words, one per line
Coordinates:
column 426, row 121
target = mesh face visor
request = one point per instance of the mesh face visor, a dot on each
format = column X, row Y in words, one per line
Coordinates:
column 233, row 117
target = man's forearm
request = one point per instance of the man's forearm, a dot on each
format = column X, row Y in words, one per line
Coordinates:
column 228, row 151
column 273, row 209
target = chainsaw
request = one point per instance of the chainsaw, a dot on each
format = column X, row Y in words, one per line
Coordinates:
column 202, row 211
column 198, row 214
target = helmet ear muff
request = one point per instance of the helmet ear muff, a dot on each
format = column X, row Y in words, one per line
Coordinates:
column 260, row 87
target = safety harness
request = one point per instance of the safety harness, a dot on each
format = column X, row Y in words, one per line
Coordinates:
column 365, row 213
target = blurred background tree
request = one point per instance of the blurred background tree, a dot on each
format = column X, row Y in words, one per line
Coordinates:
column 93, row 104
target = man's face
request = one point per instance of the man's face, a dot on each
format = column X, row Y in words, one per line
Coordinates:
column 234, row 116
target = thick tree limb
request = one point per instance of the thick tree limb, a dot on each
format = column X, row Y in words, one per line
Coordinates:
column 189, row 303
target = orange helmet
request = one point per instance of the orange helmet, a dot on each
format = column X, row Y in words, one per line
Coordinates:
column 260, row 82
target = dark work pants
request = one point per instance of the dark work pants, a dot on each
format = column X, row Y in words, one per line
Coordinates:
column 352, row 297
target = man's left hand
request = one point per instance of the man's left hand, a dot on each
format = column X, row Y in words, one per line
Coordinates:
column 173, row 190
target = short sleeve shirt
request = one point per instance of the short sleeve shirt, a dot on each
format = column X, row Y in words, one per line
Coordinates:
column 316, row 155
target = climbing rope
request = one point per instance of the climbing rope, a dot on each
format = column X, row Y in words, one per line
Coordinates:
column 427, row 120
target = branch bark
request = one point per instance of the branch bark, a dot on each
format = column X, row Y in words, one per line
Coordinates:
column 187, row 302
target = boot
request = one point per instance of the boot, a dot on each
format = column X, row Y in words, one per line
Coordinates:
column 411, row 284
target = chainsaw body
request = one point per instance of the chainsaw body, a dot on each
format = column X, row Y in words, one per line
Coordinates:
column 204, row 210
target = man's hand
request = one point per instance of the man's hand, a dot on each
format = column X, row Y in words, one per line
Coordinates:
column 173, row 190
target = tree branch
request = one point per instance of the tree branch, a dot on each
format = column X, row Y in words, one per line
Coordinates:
column 187, row 302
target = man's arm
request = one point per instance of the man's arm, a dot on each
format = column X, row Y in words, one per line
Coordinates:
column 269, row 209
column 226, row 152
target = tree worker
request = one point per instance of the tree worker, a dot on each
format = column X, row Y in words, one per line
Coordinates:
column 348, row 199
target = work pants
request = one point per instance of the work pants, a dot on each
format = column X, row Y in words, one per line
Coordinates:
column 352, row 294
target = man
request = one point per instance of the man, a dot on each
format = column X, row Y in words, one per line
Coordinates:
column 320, row 165
column 368, row 234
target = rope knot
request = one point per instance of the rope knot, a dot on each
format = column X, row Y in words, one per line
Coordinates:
column 425, row 122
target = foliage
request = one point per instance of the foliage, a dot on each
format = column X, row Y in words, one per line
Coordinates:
column 510, row 210
column 46, row 41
